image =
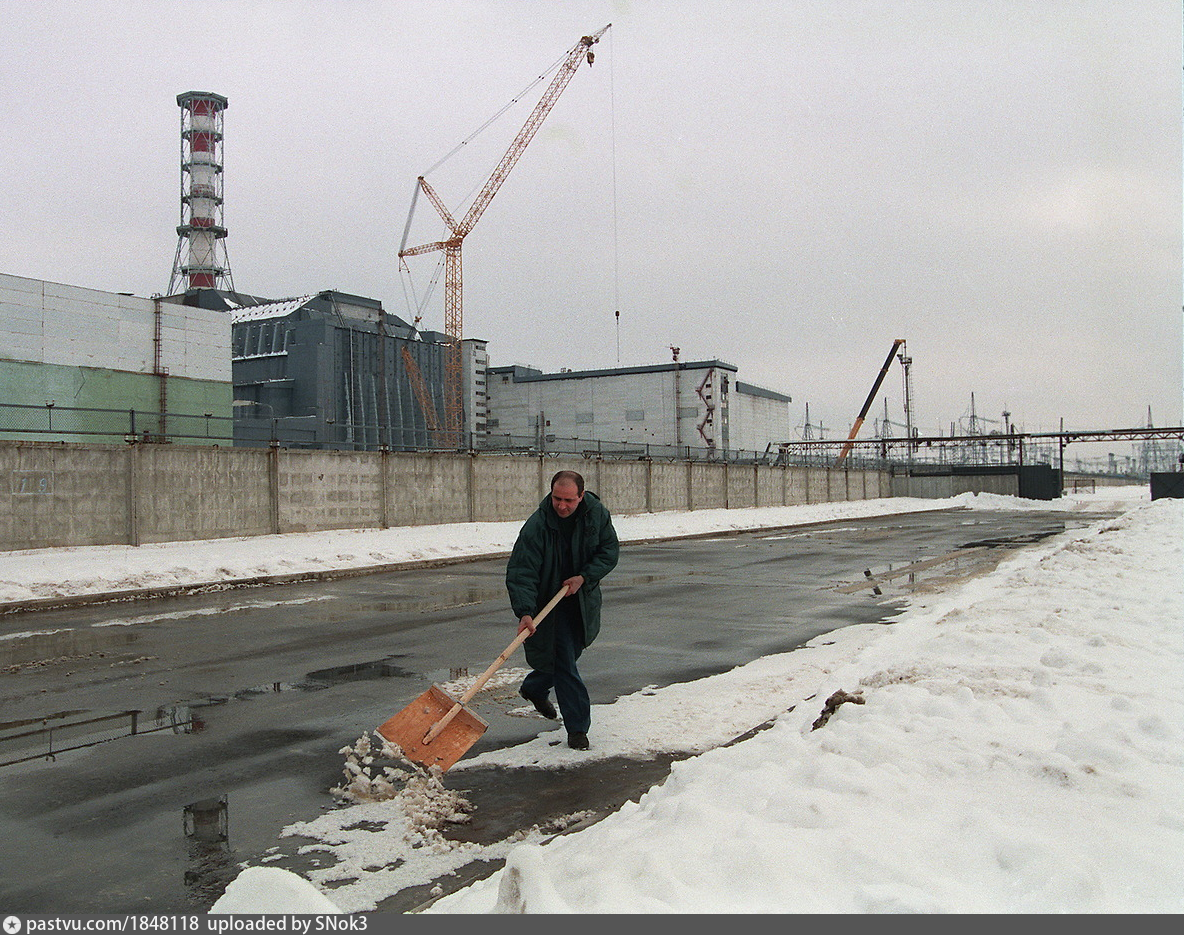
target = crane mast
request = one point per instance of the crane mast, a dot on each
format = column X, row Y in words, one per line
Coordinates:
column 458, row 230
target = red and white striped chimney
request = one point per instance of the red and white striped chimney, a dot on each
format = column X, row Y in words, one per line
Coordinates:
column 204, row 265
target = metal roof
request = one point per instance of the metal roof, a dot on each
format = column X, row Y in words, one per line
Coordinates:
column 280, row 308
column 751, row 390
column 530, row 375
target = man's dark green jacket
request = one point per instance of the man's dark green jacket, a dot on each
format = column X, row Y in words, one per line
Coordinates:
column 533, row 575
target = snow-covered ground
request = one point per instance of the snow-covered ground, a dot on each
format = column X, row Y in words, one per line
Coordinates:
column 1011, row 744
column 41, row 574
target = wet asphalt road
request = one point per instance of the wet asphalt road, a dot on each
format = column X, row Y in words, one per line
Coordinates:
column 250, row 694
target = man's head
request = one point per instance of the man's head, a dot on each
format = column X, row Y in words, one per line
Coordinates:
column 567, row 492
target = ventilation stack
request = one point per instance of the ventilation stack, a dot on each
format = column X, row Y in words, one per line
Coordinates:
column 201, row 261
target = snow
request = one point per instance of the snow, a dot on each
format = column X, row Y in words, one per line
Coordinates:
column 279, row 890
column 30, row 575
column 1011, row 743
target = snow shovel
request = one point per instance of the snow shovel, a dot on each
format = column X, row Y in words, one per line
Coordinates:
column 435, row 730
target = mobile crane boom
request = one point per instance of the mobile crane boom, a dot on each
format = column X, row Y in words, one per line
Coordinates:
column 868, row 402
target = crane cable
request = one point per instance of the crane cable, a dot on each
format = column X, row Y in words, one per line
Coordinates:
column 612, row 107
column 472, row 136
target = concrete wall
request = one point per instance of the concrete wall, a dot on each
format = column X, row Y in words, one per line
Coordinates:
column 221, row 492
column 47, row 322
column 940, row 486
column 58, row 495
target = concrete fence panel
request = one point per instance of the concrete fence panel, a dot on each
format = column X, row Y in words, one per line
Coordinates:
column 625, row 485
column 740, row 486
column 668, row 486
column 770, row 486
column 504, row 488
column 426, row 488
column 65, row 495
column 223, row 492
column 706, row 485
column 819, row 485
column 797, row 486
column 329, row 490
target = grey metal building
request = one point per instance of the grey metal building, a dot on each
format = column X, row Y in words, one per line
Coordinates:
column 678, row 405
column 331, row 369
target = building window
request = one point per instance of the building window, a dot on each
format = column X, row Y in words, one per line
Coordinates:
column 584, row 418
column 688, row 412
column 634, row 415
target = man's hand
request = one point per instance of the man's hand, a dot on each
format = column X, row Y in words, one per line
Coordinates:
column 573, row 584
column 526, row 623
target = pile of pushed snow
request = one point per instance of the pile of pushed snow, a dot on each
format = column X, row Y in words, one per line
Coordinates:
column 1019, row 749
column 272, row 890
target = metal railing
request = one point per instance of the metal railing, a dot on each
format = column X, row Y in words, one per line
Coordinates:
column 51, row 422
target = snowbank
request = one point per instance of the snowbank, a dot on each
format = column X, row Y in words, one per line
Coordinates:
column 1018, row 750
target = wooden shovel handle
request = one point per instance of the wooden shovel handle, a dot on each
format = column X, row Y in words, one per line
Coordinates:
column 435, row 729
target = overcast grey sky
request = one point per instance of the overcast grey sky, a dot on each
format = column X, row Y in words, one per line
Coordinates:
column 786, row 185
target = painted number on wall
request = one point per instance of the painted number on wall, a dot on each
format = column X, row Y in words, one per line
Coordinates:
column 32, row 482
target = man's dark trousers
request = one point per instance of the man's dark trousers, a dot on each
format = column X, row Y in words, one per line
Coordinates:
column 570, row 692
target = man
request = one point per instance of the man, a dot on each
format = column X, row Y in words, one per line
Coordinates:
column 568, row 542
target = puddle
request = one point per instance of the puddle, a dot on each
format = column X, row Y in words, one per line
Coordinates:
column 49, row 736
column 1014, row 541
column 66, row 731
column 383, row 668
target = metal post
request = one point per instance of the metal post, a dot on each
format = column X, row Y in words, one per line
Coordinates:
column 273, row 477
column 1061, row 442
column 133, row 494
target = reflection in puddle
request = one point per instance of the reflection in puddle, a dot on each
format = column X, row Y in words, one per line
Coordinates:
column 47, row 737
column 360, row 671
column 211, row 865
column 63, row 732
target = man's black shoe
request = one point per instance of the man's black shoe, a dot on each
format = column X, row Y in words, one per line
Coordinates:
column 543, row 706
column 577, row 741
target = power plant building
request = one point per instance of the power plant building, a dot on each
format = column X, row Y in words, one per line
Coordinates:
column 679, row 405
column 208, row 364
column 66, row 349
column 335, row 370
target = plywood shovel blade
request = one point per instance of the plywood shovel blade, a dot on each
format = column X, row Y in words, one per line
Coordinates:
column 436, row 729
column 409, row 727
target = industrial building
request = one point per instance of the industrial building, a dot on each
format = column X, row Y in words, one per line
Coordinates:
column 205, row 366
column 333, row 369
column 678, row 405
column 73, row 360
column 207, row 363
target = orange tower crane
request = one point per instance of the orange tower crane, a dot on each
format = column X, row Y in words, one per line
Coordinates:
column 458, row 230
